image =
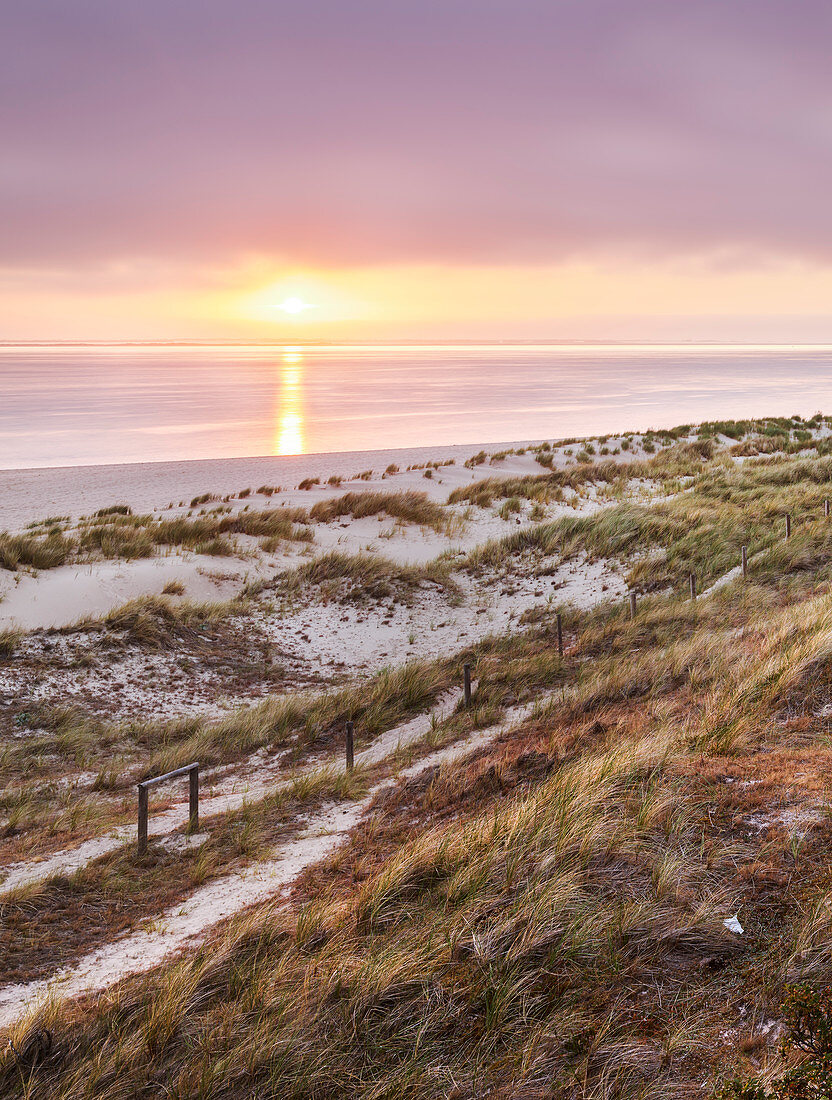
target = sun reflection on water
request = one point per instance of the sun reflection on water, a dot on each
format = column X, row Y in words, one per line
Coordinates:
column 288, row 437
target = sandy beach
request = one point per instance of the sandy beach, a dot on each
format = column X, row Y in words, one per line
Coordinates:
column 30, row 495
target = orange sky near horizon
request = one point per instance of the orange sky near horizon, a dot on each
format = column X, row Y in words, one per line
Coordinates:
column 709, row 298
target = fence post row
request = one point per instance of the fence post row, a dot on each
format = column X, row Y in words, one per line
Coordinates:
column 192, row 771
column 350, row 746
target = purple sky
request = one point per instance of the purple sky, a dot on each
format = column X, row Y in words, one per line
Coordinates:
column 171, row 147
column 333, row 131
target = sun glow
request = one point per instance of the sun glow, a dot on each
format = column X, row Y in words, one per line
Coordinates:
column 294, row 305
column 288, row 437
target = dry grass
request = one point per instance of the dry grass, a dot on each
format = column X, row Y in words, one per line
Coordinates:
column 116, row 533
column 547, row 918
column 364, row 577
column 409, row 507
column 465, row 962
column 52, row 923
column 45, row 551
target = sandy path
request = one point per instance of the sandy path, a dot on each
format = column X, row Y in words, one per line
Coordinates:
column 234, row 793
column 186, row 924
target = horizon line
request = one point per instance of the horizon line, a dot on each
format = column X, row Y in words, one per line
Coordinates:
column 483, row 343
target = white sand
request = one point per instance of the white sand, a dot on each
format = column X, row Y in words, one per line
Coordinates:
column 57, row 597
column 27, row 496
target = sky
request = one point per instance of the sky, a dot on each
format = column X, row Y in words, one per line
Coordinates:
column 416, row 169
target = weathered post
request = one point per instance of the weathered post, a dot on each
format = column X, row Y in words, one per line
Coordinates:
column 142, row 844
column 788, row 526
column 193, row 799
column 466, row 682
column 744, row 561
column 826, row 508
column 693, row 586
column 632, row 605
column 350, row 746
column 560, row 634
column 192, row 771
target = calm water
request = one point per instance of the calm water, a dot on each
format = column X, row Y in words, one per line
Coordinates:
column 70, row 406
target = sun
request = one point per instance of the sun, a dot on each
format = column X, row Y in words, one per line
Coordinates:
column 295, row 305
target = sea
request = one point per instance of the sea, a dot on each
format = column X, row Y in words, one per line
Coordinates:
column 70, row 405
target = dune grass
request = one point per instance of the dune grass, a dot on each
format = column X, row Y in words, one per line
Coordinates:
column 700, row 530
column 684, row 460
column 364, row 577
column 409, row 507
column 46, row 551
column 514, row 947
column 52, row 922
column 117, row 533
column 547, row 919
column 464, row 962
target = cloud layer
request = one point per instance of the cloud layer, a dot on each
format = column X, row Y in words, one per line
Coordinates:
column 460, row 131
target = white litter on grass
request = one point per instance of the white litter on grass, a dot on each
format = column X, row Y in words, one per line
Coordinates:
column 733, row 925
column 797, row 820
column 186, row 924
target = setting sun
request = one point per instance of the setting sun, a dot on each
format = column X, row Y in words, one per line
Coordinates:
column 295, row 305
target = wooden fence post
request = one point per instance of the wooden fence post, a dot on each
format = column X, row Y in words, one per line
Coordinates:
column 466, row 683
column 744, row 561
column 350, row 746
column 142, row 844
column 193, row 799
column 632, row 605
column 560, row 635
column 693, row 586
column 788, row 526
column 192, row 771
column 826, row 508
